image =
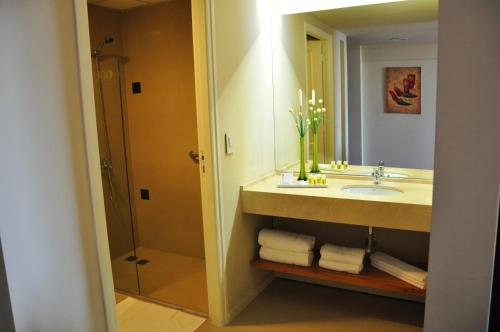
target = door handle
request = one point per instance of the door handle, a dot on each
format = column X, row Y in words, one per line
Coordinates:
column 194, row 156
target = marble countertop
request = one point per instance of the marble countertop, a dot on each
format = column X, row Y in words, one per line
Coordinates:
column 410, row 210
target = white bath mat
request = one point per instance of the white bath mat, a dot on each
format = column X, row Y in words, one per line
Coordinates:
column 135, row 315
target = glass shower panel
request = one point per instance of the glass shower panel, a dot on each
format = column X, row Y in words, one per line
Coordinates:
column 113, row 156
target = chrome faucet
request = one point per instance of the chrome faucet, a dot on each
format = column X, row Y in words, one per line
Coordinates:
column 376, row 175
column 381, row 168
column 378, row 172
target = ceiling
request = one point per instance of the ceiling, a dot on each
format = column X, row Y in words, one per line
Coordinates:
column 414, row 20
column 423, row 32
column 124, row 4
column 372, row 24
column 403, row 12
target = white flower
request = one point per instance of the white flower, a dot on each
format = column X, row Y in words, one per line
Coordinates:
column 324, row 110
column 320, row 101
column 314, row 112
column 308, row 121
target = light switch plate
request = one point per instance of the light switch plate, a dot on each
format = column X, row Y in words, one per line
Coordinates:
column 229, row 143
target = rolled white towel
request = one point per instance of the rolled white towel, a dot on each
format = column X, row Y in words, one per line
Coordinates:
column 395, row 272
column 332, row 252
column 403, row 269
column 340, row 266
column 421, row 285
column 287, row 257
column 281, row 240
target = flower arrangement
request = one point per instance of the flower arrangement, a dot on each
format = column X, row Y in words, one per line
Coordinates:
column 317, row 116
column 313, row 118
column 302, row 123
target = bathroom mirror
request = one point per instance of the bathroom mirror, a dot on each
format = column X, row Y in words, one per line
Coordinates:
column 375, row 68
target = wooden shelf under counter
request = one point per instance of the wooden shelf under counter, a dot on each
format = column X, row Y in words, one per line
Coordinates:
column 370, row 280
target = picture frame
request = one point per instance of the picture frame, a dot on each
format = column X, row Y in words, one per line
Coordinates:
column 403, row 90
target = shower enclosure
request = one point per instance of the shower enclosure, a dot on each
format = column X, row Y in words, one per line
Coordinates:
column 110, row 126
column 143, row 69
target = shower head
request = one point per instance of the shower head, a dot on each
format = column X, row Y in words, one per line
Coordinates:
column 106, row 40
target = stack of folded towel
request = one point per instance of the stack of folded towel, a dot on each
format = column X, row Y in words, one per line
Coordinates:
column 401, row 270
column 342, row 259
column 285, row 247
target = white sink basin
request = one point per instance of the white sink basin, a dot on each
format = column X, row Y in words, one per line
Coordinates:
column 395, row 175
column 372, row 190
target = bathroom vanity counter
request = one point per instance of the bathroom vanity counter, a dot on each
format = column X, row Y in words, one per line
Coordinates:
column 408, row 210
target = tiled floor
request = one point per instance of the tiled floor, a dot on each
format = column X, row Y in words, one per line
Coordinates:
column 120, row 297
column 139, row 316
column 290, row 306
column 169, row 278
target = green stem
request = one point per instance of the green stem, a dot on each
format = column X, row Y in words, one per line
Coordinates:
column 315, row 165
column 302, row 174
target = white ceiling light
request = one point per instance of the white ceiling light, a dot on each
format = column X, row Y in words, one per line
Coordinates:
column 285, row 7
column 398, row 39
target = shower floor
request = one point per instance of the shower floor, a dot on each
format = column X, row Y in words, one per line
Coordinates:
column 167, row 277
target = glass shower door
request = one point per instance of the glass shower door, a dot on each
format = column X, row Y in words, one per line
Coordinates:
column 113, row 155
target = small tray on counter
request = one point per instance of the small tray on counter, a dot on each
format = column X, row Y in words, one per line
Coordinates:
column 301, row 185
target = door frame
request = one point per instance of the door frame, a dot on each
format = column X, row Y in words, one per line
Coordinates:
column 208, row 166
column 329, row 95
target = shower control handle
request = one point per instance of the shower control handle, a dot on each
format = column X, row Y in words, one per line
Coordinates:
column 107, row 166
column 194, row 156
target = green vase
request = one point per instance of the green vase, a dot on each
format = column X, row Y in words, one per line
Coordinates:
column 315, row 165
column 302, row 173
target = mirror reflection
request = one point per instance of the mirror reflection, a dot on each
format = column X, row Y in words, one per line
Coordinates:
column 374, row 68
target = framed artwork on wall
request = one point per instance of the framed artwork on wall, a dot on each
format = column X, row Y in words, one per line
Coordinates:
column 403, row 90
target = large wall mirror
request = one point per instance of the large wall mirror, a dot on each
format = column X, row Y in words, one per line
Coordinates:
column 375, row 68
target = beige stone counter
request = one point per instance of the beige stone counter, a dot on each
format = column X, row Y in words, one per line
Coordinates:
column 410, row 210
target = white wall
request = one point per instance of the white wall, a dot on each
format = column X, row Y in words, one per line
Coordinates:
column 46, row 221
column 401, row 140
column 244, row 108
column 464, row 216
column 289, row 75
column 354, row 98
column 337, row 74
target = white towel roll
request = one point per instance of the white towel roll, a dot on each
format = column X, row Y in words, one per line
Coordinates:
column 281, row 240
column 395, row 272
column 287, row 257
column 332, row 252
column 404, row 269
column 421, row 285
column 340, row 266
